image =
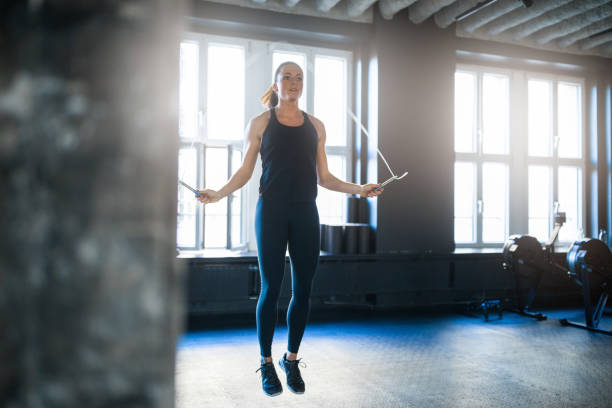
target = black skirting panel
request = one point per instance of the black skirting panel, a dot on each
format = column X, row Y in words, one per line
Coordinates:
column 231, row 285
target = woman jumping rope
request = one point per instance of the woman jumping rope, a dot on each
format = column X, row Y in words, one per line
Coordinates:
column 292, row 147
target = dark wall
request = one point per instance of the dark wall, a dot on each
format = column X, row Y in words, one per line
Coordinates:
column 415, row 133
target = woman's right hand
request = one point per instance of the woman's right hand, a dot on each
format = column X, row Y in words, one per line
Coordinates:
column 208, row 196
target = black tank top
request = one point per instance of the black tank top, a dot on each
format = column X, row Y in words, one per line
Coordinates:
column 289, row 161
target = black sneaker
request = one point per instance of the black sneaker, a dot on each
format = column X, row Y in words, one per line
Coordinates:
column 294, row 378
column 269, row 380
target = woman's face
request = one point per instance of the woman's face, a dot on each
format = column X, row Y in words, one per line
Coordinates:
column 289, row 83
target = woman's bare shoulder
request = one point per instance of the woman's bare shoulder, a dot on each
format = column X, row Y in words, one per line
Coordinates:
column 318, row 124
column 260, row 121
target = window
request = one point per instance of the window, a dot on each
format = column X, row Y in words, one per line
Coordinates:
column 221, row 80
column 212, row 77
column 555, row 157
column 545, row 166
column 482, row 157
column 188, row 211
column 330, row 105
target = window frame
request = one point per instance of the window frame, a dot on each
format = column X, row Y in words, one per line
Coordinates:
column 478, row 157
column 518, row 158
column 554, row 161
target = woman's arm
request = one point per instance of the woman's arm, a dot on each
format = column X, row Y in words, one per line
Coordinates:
column 252, row 142
column 328, row 180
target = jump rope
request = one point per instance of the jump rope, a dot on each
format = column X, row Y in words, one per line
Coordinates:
column 367, row 135
column 365, row 132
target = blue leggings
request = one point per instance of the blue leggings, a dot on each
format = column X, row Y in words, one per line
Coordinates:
column 276, row 224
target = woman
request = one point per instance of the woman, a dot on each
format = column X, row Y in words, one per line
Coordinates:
column 292, row 146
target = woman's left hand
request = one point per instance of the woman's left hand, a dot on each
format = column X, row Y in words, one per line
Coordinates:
column 369, row 190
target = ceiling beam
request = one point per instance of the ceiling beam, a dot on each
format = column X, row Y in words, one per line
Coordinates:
column 446, row 16
column 595, row 41
column 325, row 5
column 355, row 8
column 521, row 15
column 606, row 49
column 488, row 13
column 588, row 31
column 388, row 8
column 553, row 17
column 422, row 10
column 573, row 24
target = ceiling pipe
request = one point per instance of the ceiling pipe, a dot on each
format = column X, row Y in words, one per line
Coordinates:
column 585, row 32
column 521, row 15
column 553, row 17
column 356, row 8
column 291, row 3
column 447, row 15
column 422, row 10
column 325, row 5
column 606, row 49
column 595, row 41
column 388, row 8
column 489, row 13
column 573, row 24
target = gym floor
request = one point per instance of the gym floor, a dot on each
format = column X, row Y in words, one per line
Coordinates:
column 429, row 359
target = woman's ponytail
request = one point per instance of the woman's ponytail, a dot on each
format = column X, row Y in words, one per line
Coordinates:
column 270, row 98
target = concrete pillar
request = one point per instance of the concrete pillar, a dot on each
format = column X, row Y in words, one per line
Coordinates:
column 90, row 296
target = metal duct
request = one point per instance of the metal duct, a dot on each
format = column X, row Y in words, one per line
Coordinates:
column 388, row 8
column 446, row 16
column 554, row 16
column 522, row 15
column 573, row 24
column 326, row 5
column 488, row 13
column 422, row 10
column 595, row 41
column 291, row 3
column 355, row 8
column 586, row 32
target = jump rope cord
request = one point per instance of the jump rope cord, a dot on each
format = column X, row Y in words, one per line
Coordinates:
column 365, row 132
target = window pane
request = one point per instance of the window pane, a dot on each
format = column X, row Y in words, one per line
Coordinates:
column 465, row 196
column 187, row 204
column 540, row 201
column 330, row 98
column 331, row 204
column 188, row 90
column 540, row 118
column 465, row 112
column 570, row 202
column 215, row 222
column 236, row 202
column 225, row 114
column 495, row 102
column 569, row 123
column 278, row 57
column 495, row 202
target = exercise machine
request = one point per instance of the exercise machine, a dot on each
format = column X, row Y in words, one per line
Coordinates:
column 589, row 262
column 528, row 260
column 590, row 266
